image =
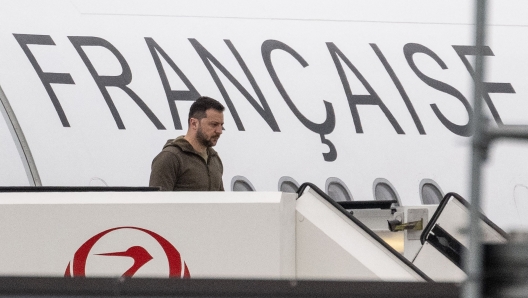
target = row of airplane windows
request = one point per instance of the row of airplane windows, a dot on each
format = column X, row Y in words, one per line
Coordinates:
column 430, row 192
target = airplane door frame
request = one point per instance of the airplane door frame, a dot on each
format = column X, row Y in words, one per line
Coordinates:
column 19, row 140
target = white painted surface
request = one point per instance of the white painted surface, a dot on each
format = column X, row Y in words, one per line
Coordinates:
column 331, row 246
column 249, row 235
column 437, row 266
column 453, row 220
column 94, row 151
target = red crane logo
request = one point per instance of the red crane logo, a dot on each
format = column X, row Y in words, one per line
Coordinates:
column 139, row 254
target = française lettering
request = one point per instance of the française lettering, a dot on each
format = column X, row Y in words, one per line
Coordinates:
column 263, row 110
column 354, row 100
column 400, row 88
column 260, row 104
column 172, row 95
column 47, row 78
column 321, row 128
column 462, row 130
column 464, row 51
column 121, row 81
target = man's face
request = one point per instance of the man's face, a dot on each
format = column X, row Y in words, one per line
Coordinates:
column 210, row 128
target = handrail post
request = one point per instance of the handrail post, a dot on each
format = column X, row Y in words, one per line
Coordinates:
column 472, row 288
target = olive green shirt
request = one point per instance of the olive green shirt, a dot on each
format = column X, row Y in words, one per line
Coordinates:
column 179, row 167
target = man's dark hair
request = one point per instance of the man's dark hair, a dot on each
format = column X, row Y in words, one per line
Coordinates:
column 203, row 104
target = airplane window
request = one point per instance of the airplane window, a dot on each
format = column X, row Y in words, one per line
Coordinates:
column 288, row 184
column 241, row 183
column 338, row 190
column 430, row 192
column 12, row 170
column 384, row 191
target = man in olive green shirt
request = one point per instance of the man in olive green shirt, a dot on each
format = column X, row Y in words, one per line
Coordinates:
column 189, row 163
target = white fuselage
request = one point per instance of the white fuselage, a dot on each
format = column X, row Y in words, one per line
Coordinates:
column 97, row 87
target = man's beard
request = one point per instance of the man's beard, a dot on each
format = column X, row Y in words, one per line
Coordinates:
column 202, row 138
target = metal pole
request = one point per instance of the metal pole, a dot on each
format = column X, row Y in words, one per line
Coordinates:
column 472, row 288
column 20, row 141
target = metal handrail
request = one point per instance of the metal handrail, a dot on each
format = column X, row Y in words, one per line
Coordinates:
column 483, row 136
